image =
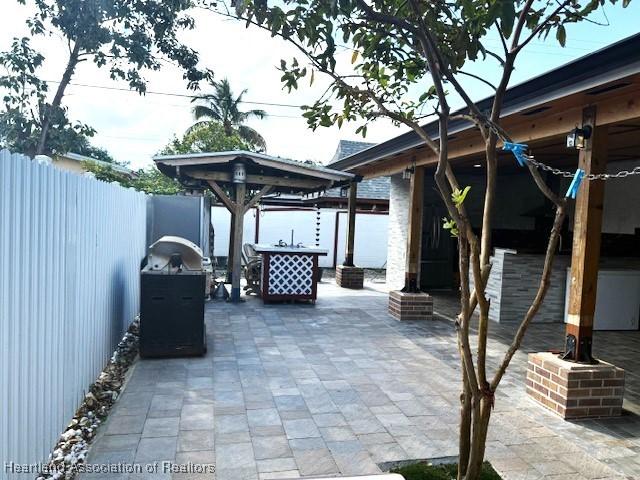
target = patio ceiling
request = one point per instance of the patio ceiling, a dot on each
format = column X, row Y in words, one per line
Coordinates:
column 283, row 175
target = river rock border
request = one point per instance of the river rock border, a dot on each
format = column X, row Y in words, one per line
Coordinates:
column 71, row 449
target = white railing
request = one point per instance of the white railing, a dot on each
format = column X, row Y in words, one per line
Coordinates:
column 70, row 252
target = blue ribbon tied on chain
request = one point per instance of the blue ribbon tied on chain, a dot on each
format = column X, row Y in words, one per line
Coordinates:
column 518, row 150
column 575, row 184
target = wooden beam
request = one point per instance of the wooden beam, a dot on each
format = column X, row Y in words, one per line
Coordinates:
column 585, row 254
column 231, row 206
column 351, row 225
column 256, row 198
column 287, row 182
column 261, row 180
column 238, row 225
column 414, row 233
column 557, row 122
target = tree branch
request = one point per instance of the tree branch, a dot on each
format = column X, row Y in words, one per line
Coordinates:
column 539, row 298
column 543, row 24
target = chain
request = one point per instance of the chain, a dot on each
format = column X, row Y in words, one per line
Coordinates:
column 564, row 173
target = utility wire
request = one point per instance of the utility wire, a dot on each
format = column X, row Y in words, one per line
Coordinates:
column 170, row 94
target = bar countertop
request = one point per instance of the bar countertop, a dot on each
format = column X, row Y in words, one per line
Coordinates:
column 266, row 248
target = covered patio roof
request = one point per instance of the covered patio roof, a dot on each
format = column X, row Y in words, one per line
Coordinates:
column 540, row 112
column 284, row 175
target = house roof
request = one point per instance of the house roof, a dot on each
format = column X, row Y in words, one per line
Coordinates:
column 346, row 148
column 76, row 157
column 285, row 174
column 374, row 189
column 610, row 64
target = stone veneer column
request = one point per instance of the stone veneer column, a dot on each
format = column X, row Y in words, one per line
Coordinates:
column 575, row 390
column 397, row 231
column 410, row 306
column 349, row 277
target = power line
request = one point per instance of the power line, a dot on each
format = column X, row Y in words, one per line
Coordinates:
column 170, row 94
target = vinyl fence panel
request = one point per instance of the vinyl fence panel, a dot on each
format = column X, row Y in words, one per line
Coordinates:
column 70, row 253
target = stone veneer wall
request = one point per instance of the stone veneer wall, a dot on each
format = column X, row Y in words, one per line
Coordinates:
column 514, row 280
column 398, row 226
column 513, row 284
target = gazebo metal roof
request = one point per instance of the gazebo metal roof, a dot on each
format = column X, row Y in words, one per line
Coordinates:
column 284, row 175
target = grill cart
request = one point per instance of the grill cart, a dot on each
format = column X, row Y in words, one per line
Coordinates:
column 172, row 300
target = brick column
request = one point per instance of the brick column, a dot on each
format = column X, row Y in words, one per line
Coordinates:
column 575, row 390
column 349, row 277
column 410, row 306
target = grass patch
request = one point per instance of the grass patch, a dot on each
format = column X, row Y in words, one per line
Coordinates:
column 445, row 471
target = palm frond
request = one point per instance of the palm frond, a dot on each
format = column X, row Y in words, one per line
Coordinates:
column 203, row 111
column 198, row 125
column 251, row 136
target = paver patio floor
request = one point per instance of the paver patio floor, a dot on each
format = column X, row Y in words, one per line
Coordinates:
column 340, row 387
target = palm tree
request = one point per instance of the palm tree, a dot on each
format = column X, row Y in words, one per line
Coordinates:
column 222, row 106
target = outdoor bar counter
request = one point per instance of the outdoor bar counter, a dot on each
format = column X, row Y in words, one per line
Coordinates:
column 514, row 279
column 289, row 272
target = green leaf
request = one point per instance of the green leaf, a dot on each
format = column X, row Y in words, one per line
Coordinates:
column 459, row 196
column 507, row 17
column 354, row 57
column 450, row 224
column 561, row 35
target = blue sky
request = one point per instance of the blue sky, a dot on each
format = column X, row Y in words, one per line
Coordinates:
column 133, row 128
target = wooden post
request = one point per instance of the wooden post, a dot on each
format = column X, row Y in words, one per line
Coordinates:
column 238, row 224
column 230, row 254
column 585, row 255
column 351, row 224
column 256, row 236
column 414, row 233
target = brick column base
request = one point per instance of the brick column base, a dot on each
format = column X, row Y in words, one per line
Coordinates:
column 575, row 390
column 410, row 306
column 349, row 277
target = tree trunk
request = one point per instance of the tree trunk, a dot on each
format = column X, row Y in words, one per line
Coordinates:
column 49, row 110
column 464, row 444
column 482, row 414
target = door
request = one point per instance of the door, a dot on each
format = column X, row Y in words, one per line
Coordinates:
column 437, row 257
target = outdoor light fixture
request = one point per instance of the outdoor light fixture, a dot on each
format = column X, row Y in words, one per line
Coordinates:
column 578, row 137
column 239, row 173
column 407, row 172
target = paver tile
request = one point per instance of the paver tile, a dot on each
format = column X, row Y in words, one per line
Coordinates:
column 301, row 428
column 335, row 388
column 193, row 440
column 161, row 427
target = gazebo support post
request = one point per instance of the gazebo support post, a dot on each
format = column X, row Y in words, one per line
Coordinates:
column 575, row 385
column 410, row 303
column 347, row 274
column 230, row 254
column 238, row 225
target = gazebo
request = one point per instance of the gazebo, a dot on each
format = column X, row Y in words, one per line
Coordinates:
column 240, row 179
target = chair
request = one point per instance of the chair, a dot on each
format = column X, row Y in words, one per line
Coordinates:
column 252, row 267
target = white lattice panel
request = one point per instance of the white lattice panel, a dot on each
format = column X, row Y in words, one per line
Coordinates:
column 290, row 274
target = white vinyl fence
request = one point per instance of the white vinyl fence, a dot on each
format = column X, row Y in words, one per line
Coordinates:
column 276, row 224
column 70, row 252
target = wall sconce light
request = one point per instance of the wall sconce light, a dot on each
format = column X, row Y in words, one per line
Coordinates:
column 407, row 172
column 577, row 138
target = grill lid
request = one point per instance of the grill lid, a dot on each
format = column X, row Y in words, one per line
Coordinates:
column 169, row 250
